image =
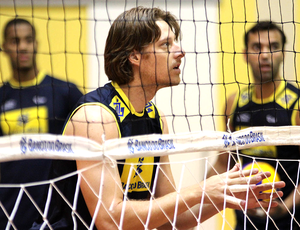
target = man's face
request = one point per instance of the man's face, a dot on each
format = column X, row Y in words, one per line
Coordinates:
column 161, row 60
column 265, row 55
column 20, row 46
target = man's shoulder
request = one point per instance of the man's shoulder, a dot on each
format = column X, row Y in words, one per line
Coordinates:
column 101, row 97
column 100, row 94
column 5, row 86
column 60, row 85
column 54, row 80
column 293, row 85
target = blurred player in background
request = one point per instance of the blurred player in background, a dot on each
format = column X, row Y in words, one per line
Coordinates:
column 269, row 101
column 31, row 102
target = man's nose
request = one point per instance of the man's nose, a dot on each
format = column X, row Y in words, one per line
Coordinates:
column 265, row 52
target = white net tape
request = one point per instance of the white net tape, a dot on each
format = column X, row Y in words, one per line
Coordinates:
column 28, row 146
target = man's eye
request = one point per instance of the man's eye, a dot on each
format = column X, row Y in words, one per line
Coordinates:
column 274, row 47
column 256, row 48
column 166, row 44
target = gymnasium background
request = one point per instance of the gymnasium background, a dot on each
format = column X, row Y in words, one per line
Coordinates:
column 71, row 36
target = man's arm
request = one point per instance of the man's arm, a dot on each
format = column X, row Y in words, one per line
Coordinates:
column 292, row 199
column 186, row 219
column 102, row 190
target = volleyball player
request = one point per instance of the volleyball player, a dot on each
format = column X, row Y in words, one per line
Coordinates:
column 31, row 102
column 142, row 55
column 269, row 101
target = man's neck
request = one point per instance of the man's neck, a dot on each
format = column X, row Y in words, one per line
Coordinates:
column 265, row 90
column 25, row 75
column 138, row 96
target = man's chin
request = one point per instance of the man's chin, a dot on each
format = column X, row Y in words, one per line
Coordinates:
column 175, row 81
column 24, row 68
column 264, row 79
column 267, row 80
column 172, row 84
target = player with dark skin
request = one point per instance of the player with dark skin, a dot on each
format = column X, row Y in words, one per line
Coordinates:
column 31, row 102
column 20, row 45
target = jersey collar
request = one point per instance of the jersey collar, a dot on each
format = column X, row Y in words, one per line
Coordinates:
column 36, row 81
column 271, row 98
column 126, row 100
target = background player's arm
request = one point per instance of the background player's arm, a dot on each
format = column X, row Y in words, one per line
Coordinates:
column 290, row 201
column 221, row 164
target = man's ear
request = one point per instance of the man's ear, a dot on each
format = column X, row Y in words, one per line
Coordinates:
column 135, row 58
column 245, row 55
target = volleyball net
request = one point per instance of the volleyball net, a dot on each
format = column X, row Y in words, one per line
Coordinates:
column 71, row 37
column 50, row 146
column 66, row 148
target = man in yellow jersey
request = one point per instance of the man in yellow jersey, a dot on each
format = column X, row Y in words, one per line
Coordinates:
column 269, row 101
column 142, row 55
column 31, row 102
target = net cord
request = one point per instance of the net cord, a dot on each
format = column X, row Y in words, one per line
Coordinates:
column 49, row 146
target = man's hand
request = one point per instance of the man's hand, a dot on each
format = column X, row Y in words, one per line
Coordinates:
column 275, row 212
column 242, row 191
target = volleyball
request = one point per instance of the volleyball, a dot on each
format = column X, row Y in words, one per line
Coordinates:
column 264, row 167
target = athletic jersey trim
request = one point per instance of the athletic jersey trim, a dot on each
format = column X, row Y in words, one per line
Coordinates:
column 160, row 120
column 295, row 112
column 233, row 108
column 36, row 81
column 252, row 95
column 271, row 98
column 126, row 100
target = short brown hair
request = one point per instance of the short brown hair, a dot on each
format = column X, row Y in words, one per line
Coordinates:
column 264, row 26
column 133, row 30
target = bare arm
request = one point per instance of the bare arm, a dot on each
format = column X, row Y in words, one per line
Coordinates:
column 101, row 186
column 186, row 219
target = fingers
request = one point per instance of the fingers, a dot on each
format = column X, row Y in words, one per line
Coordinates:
column 252, row 172
column 235, row 172
column 263, row 204
column 240, row 179
column 247, row 177
column 236, row 203
column 251, row 203
column 243, row 189
column 248, row 173
column 233, row 200
column 269, row 186
column 258, row 190
column 259, row 199
column 240, row 187
column 267, row 196
column 235, row 168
